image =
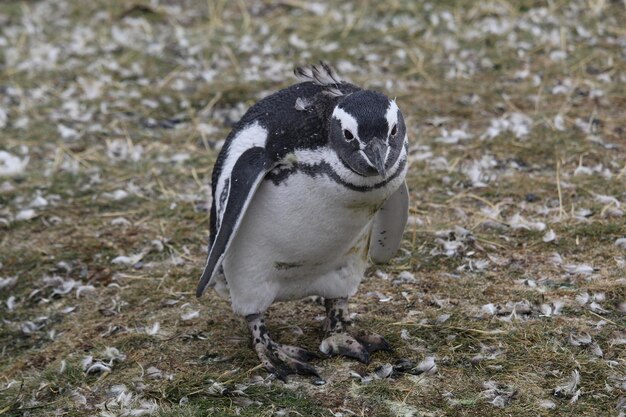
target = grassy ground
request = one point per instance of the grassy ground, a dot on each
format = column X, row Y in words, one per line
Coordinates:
column 512, row 275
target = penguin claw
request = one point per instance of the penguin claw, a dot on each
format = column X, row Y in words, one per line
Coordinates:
column 343, row 344
column 285, row 360
column 358, row 346
column 298, row 353
column 373, row 342
column 271, row 362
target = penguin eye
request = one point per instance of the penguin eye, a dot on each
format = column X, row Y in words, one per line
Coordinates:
column 348, row 135
column 394, row 130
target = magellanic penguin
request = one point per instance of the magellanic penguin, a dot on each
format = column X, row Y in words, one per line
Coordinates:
column 309, row 184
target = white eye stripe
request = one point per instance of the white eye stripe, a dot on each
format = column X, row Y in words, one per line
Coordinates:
column 391, row 115
column 348, row 122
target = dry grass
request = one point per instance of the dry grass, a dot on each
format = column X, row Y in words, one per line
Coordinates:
column 516, row 114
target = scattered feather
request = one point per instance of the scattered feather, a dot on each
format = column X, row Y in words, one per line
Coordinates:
column 10, row 303
column 582, row 339
column 453, row 137
column 382, row 275
column 489, row 309
column 519, row 222
column 190, row 315
column 84, row 289
column 579, row 269
column 98, row 367
column 120, row 221
column 487, row 353
column 559, row 122
column 66, row 132
column 597, row 308
column 547, row 404
column 583, row 298
column 568, row 388
column 556, row 259
column 427, row 365
column 124, row 150
column 154, row 373
column 546, row 310
column 499, row 395
column 381, row 297
column 442, row 318
column 302, row 104
column 7, row 282
column 127, row 260
column 550, row 236
column 116, row 195
column 154, row 329
column 404, row 277
column 113, row 355
column 383, row 371
column 557, row 307
column 517, row 123
column 26, row 214
column 11, row 165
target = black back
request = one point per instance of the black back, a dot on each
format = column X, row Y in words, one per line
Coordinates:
column 288, row 128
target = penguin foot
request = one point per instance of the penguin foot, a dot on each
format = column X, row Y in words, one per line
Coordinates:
column 358, row 346
column 283, row 360
column 280, row 360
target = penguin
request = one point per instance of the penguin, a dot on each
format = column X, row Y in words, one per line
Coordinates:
column 308, row 188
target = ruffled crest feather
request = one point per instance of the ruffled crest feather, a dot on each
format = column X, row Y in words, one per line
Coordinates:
column 324, row 76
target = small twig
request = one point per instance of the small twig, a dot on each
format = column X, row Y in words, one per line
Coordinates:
column 606, row 207
column 211, row 103
column 34, row 407
column 622, row 172
column 479, row 331
column 348, row 28
column 249, row 371
column 127, row 276
column 475, row 197
column 407, row 394
column 194, row 174
column 510, row 104
column 16, row 400
column 168, row 78
column 603, row 318
column 454, row 163
column 558, row 187
column 245, row 14
column 119, row 213
column 539, row 97
column 233, row 58
column 499, row 245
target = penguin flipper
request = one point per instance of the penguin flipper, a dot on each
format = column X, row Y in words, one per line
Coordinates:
column 389, row 225
column 246, row 176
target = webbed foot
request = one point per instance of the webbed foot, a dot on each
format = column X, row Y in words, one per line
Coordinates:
column 357, row 345
column 280, row 360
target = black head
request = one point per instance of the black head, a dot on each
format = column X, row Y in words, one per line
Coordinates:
column 367, row 131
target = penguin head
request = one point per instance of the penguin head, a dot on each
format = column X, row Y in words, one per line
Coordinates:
column 367, row 132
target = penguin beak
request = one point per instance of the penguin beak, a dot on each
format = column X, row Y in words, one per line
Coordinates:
column 376, row 152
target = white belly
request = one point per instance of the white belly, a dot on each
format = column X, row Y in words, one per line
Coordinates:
column 305, row 236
